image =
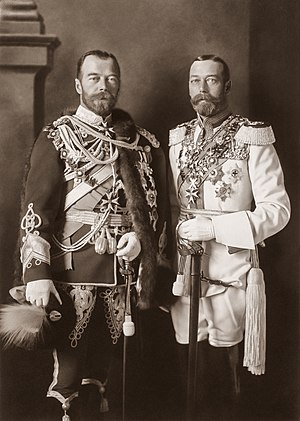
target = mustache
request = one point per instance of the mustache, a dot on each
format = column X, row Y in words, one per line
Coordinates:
column 201, row 97
column 102, row 95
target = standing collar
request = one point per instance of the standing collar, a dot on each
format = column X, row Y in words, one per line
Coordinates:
column 90, row 117
column 214, row 120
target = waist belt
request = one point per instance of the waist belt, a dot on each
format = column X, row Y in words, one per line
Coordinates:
column 202, row 212
column 91, row 218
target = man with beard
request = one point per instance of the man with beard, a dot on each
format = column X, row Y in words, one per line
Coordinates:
column 94, row 199
column 229, row 196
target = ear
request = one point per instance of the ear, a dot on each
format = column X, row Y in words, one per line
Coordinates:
column 228, row 85
column 78, row 86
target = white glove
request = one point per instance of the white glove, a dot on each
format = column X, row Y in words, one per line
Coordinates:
column 129, row 246
column 197, row 229
column 38, row 292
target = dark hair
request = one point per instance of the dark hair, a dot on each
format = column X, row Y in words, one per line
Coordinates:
column 98, row 53
column 226, row 71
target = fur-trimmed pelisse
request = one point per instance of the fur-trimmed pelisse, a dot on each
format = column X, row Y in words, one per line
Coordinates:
column 29, row 327
column 138, row 208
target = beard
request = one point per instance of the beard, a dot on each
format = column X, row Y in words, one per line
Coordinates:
column 101, row 104
column 206, row 105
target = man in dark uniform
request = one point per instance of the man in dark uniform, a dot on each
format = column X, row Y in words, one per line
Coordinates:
column 229, row 196
column 94, row 199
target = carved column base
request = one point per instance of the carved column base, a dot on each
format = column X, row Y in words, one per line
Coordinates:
column 20, row 17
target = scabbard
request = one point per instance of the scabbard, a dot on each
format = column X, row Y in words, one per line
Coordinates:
column 195, row 294
column 128, row 330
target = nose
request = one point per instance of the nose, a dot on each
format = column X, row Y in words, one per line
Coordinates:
column 102, row 84
column 202, row 86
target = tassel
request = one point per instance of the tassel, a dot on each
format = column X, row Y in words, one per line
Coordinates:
column 65, row 406
column 128, row 326
column 104, row 402
column 101, row 388
column 178, row 285
column 111, row 243
column 21, row 325
column 255, row 325
column 101, row 243
column 104, row 405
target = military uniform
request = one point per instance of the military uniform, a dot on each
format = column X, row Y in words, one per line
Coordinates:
column 90, row 181
column 225, row 168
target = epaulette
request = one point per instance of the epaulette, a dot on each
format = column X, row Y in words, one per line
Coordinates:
column 177, row 134
column 149, row 136
column 255, row 133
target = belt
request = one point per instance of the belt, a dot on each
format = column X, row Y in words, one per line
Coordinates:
column 203, row 212
column 91, row 218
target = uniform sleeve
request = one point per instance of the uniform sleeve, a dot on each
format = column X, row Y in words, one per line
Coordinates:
column 272, row 206
column 42, row 200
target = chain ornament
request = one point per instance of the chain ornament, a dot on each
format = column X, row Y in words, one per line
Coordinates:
column 202, row 160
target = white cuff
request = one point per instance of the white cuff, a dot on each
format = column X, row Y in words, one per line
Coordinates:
column 234, row 229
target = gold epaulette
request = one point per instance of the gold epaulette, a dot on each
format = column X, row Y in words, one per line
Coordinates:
column 149, row 136
column 255, row 133
column 177, row 134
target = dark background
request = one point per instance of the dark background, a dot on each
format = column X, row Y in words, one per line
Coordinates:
column 155, row 42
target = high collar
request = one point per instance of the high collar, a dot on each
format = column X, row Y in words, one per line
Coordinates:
column 91, row 118
column 214, row 120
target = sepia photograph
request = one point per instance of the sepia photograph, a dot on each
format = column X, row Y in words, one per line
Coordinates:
column 149, row 210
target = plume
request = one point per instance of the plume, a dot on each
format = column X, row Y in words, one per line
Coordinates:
column 22, row 325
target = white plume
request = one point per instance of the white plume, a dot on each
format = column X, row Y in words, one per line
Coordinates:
column 22, row 325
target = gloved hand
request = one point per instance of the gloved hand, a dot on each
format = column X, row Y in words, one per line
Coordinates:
column 38, row 292
column 129, row 246
column 197, row 229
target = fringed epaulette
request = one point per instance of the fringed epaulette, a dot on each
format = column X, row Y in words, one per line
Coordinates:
column 149, row 136
column 177, row 134
column 255, row 133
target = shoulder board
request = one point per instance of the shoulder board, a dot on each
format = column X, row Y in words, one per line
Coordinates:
column 177, row 134
column 255, row 133
column 149, row 136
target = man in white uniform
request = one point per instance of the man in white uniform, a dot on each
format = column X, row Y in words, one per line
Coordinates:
column 229, row 195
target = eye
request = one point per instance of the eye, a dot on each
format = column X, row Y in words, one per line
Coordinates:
column 113, row 79
column 194, row 81
column 212, row 80
column 94, row 78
